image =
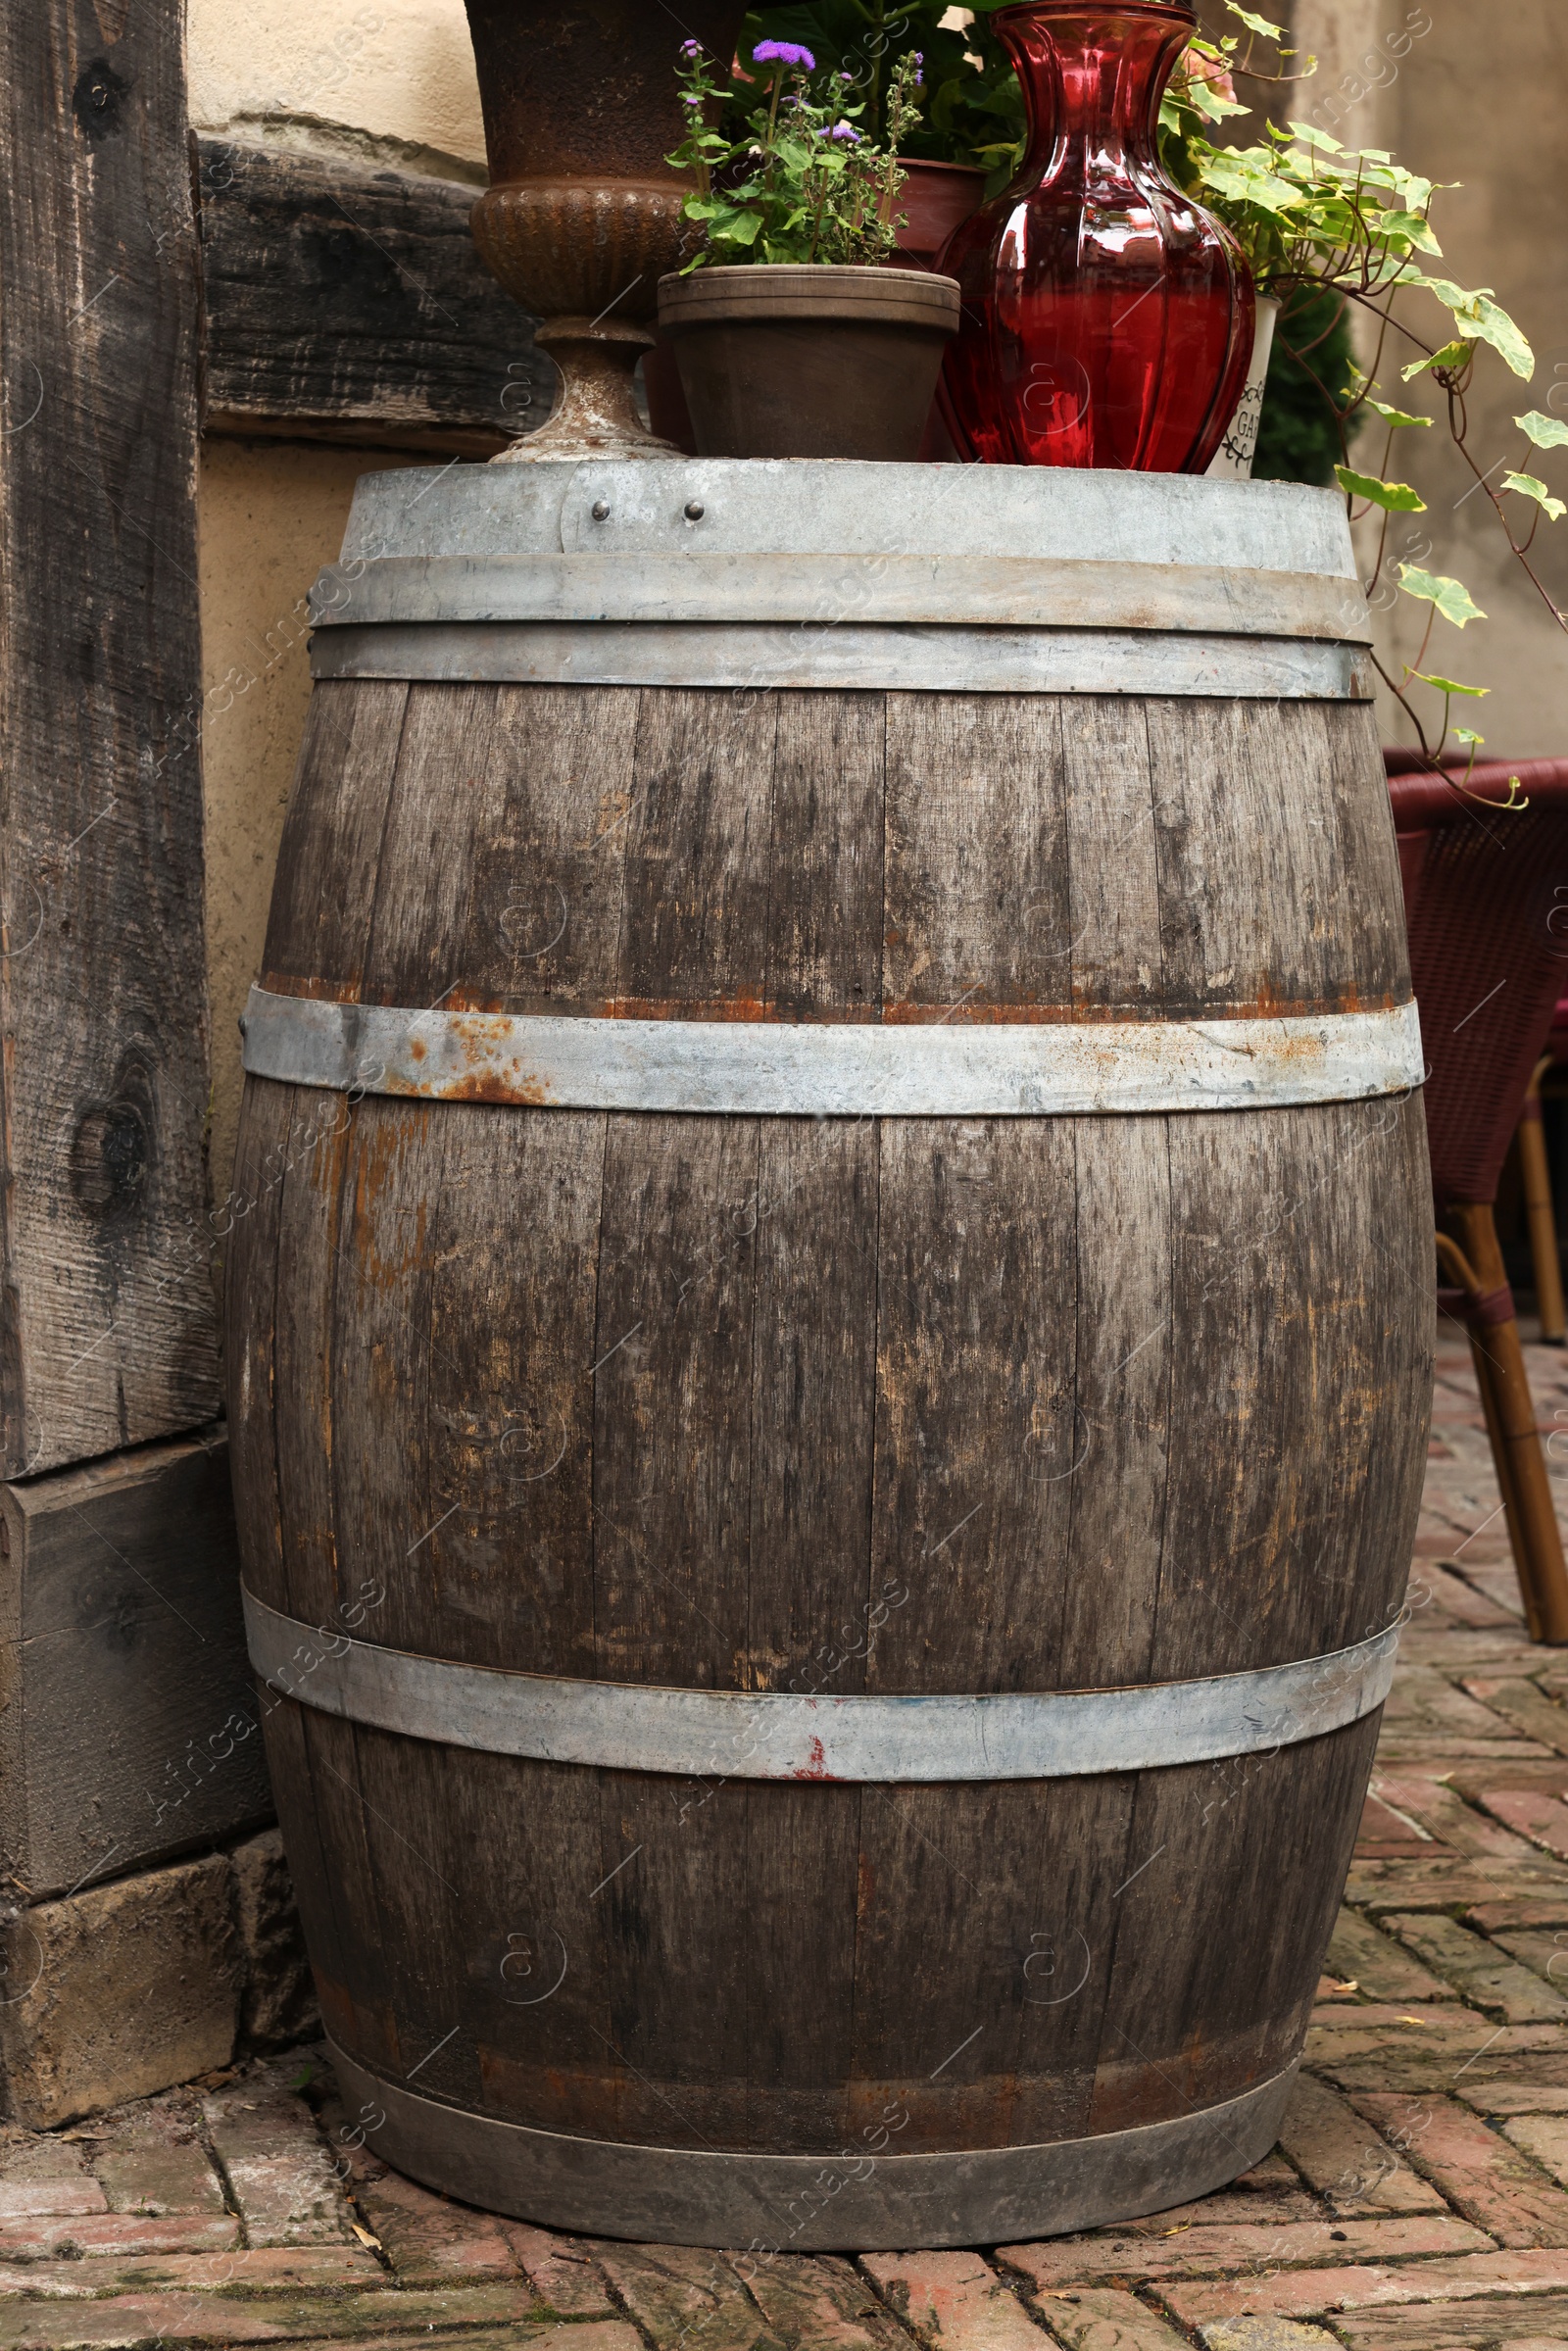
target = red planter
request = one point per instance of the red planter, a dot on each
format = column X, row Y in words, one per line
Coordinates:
column 1107, row 320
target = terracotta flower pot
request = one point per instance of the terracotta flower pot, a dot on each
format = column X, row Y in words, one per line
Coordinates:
column 790, row 360
column 934, row 199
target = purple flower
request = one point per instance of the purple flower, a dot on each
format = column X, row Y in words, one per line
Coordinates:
column 784, row 53
column 845, row 132
column 691, row 48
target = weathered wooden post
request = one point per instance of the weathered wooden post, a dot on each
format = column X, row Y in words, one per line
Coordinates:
column 121, row 1661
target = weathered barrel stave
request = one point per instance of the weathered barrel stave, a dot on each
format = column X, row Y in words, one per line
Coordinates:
column 776, row 1966
column 1064, row 1403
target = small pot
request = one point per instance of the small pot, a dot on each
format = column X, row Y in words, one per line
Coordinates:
column 934, row 200
column 792, row 360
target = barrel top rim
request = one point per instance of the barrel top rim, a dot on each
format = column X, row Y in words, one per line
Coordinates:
column 842, row 506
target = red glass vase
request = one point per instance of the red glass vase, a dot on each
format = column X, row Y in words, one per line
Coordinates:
column 1107, row 319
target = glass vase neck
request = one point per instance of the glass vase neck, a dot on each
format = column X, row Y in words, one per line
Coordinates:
column 1093, row 74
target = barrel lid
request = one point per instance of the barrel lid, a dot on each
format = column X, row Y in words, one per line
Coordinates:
column 714, row 505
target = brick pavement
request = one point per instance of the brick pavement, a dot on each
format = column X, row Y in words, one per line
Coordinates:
column 1418, row 2200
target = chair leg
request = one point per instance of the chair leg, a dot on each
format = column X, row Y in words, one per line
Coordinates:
column 1502, row 1463
column 1541, row 1211
column 1539, row 1555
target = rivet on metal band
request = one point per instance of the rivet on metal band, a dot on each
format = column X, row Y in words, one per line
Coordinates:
column 1020, row 1069
column 775, row 1735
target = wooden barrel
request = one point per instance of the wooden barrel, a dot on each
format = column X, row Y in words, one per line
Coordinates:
column 830, row 1346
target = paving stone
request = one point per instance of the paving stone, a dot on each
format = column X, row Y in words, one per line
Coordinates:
column 1485, row 1976
column 1448, row 1593
column 1071, row 2260
column 688, row 2300
column 152, row 2161
column 562, row 2273
column 1538, row 2324
column 1345, row 2160
column 1545, row 1955
column 1105, row 2319
column 1451, row 1884
column 1455, row 1824
column 1265, row 2334
column 954, row 2300
column 1543, row 2137
column 268, row 2268
column 1383, row 1967
column 1549, row 1908
column 1476, row 2167
column 824, row 2302
column 116, row 2232
column 1508, row 2098
column 1521, row 1703
column 1310, row 2293
column 46, row 2175
column 280, row 2173
column 1424, row 1699
column 366, row 2321
column 1350, row 2045
column 1382, row 1834
column 1533, row 1813
column 1458, row 1650
column 430, row 2240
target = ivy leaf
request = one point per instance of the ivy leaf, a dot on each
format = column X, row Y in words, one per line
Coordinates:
column 1397, row 496
column 1450, row 596
column 1392, row 416
column 1452, row 354
column 1479, row 319
column 1408, row 226
column 1311, row 136
column 1528, row 487
column 1272, row 32
column 1448, row 685
column 1547, row 433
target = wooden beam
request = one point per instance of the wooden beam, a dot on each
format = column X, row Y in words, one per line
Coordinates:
column 129, row 1723
column 348, row 304
column 108, row 1330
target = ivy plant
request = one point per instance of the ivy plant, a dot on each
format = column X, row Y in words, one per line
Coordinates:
column 1319, row 223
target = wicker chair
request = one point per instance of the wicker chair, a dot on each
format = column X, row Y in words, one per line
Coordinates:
column 1487, row 899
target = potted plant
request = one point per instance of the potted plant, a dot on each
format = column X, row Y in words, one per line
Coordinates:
column 792, row 336
column 1335, row 235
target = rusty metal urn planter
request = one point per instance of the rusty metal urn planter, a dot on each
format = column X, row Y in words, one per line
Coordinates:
column 582, row 215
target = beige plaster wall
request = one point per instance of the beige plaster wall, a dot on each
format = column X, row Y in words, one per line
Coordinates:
column 1478, row 95
column 397, row 75
column 270, row 513
column 392, row 79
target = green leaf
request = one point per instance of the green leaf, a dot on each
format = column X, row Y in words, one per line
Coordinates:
column 1245, row 16
column 1311, row 136
column 1410, row 225
column 1467, row 734
column 1452, row 354
column 1448, row 685
column 1450, row 596
column 1392, row 416
column 1397, row 496
column 1479, row 319
column 1547, row 433
column 1528, row 487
